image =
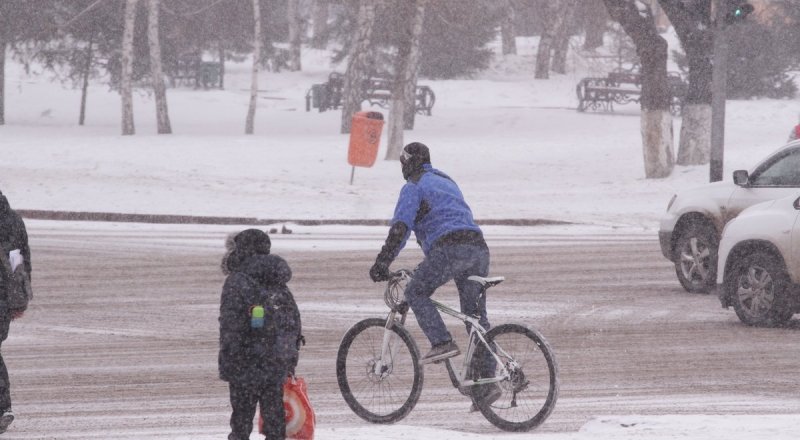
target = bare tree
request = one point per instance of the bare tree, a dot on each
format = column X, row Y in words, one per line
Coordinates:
column 357, row 64
column 295, row 34
column 636, row 18
column 507, row 32
column 555, row 18
column 562, row 40
column 156, row 72
column 320, row 24
column 595, row 18
column 251, row 109
column 87, row 70
column 693, row 24
column 3, row 49
column 403, row 104
column 127, row 68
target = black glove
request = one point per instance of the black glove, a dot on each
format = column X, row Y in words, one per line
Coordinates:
column 379, row 271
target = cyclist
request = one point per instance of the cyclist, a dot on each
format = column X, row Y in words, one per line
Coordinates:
column 432, row 206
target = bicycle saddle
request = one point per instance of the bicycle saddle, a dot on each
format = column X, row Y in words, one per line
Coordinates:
column 487, row 282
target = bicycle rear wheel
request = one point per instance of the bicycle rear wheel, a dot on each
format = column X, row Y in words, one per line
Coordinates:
column 385, row 394
column 529, row 394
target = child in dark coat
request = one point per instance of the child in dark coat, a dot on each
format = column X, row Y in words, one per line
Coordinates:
column 257, row 349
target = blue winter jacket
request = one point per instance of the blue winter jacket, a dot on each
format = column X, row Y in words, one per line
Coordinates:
column 432, row 207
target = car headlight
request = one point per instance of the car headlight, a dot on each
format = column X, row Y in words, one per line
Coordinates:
column 671, row 201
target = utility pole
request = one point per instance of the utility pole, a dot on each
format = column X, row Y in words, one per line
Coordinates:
column 718, row 92
column 726, row 12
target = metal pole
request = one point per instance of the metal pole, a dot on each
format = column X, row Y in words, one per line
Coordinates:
column 718, row 86
column 352, row 174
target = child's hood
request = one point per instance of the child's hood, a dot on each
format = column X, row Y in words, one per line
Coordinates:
column 267, row 269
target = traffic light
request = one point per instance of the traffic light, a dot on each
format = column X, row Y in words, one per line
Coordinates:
column 737, row 11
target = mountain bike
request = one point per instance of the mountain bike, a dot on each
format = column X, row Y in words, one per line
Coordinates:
column 381, row 379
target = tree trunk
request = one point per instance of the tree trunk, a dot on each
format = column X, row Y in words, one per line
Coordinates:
column 295, row 34
column 221, row 56
column 507, row 32
column 554, row 18
column 127, row 61
column 156, row 72
column 412, row 66
column 596, row 22
column 3, row 47
column 695, row 140
column 87, row 70
column 320, row 23
column 251, row 109
column 403, row 103
column 562, row 41
column 358, row 63
column 694, row 29
column 656, row 120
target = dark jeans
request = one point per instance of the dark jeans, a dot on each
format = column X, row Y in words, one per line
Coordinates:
column 5, row 387
column 444, row 263
column 244, row 400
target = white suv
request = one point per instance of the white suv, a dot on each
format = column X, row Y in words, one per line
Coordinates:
column 759, row 262
column 689, row 232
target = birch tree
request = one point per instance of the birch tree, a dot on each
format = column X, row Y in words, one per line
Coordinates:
column 156, row 71
column 694, row 28
column 403, row 103
column 251, row 109
column 127, row 68
column 295, row 34
column 636, row 18
column 358, row 63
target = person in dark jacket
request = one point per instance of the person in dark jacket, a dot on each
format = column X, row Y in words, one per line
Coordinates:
column 432, row 206
column 251, row 358
column 13, row 235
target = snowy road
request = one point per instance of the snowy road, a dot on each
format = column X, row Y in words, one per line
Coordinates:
column 121, row 339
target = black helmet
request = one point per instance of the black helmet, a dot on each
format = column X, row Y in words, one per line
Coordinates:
column 412, row 158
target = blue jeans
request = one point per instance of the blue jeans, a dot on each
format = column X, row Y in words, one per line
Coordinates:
column 442, row 264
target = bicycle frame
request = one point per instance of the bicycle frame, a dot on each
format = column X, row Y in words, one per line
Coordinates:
column 476, row 335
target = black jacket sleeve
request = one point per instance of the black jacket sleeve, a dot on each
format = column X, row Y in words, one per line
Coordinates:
column 392, row 245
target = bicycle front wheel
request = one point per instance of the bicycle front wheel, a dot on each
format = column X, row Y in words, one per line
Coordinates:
column 529, row 393
column 379, row 389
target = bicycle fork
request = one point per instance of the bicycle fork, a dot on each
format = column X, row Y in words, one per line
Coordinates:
column 389, row 346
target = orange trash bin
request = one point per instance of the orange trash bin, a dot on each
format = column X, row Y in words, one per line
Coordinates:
column 365, row 135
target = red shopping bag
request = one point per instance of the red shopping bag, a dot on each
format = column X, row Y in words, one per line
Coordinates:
column 300, row 419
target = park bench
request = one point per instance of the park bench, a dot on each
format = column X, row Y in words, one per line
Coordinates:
column 623, row 87
column 194, row 72
column 377, row 91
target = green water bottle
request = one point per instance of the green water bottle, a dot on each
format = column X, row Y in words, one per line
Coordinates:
column 257, row 316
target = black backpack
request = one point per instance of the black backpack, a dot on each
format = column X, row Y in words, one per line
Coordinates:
column 15, row 287
column 276, row 321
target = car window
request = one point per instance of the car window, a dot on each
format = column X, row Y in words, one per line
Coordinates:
column 785, row 171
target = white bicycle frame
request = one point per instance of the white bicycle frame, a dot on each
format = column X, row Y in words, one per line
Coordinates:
column 389, row 347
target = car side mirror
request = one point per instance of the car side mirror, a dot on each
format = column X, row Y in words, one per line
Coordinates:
column 741, row 177
column 796, row 204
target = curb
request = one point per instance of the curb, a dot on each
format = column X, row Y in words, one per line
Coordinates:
column 35, row 214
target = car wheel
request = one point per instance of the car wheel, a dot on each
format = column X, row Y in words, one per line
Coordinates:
column 760, row 290
column 696, row 259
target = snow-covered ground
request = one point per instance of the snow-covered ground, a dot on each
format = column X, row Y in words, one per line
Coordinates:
column 516, row 145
